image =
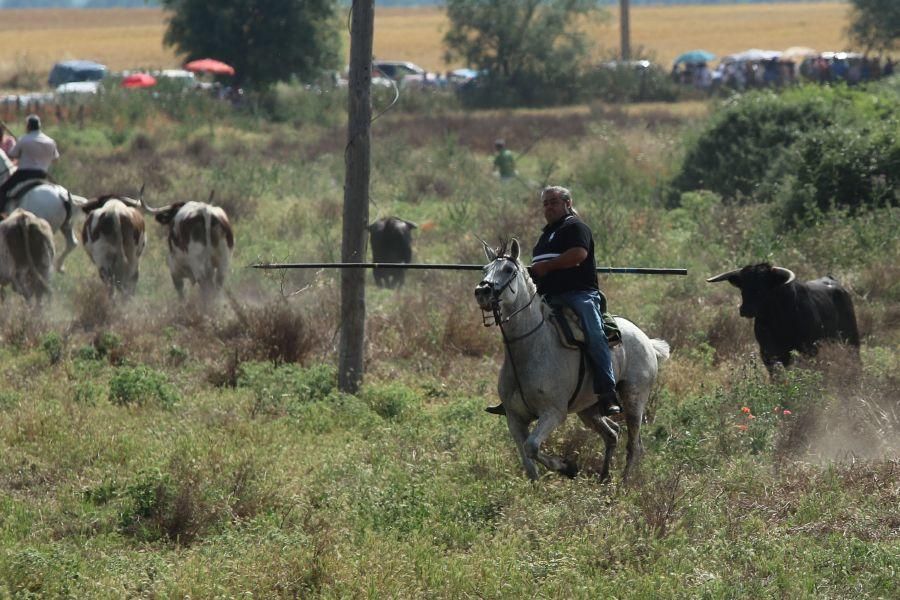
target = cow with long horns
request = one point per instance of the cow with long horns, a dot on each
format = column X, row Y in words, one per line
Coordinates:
column 790, row 315
column 113, row 236
column 26, row 254
column 200, row 244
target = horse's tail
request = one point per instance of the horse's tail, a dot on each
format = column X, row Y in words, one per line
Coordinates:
column 662, row 350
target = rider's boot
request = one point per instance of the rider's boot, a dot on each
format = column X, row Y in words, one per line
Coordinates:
column 497, row 409
column 609, row 404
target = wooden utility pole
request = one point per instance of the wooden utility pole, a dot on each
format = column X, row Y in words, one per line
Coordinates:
column 625, row 28
column 356, row 197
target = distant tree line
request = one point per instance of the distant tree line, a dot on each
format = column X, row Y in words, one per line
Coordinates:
column 153, row 3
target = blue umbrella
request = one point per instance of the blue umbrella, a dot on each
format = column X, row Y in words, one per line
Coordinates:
column 695, row 56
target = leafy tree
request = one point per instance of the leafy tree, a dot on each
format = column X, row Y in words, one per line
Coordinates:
column 531, row 50
column 266, row 41
column 875, row 24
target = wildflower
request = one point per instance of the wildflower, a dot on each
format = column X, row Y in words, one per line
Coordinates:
column 745, row 410
column 742, row 427
column 786, row 412
column 776, row 409
column 751, row 416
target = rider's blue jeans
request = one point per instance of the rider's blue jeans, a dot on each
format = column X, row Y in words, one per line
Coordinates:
column 586, row 305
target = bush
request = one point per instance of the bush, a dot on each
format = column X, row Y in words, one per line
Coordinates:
column 751, row 133
column 627, row 83
column 142, row 386
column 841, row 166
column 389, row 401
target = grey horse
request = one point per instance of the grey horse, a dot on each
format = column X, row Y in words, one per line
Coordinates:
column 543, row 380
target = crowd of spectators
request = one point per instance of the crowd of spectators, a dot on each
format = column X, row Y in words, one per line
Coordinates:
column 762, row 69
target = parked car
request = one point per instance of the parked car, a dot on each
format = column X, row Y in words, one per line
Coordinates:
column 70, row 71
column 405, row 73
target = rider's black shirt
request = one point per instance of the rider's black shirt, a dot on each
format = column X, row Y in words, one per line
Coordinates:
column 565, row 234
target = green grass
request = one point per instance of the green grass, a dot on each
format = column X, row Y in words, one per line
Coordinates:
column 150, row 450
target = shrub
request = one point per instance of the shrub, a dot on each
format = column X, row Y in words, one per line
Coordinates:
column 53, row 347
column 279, row 389
column 842, row 166
column 390, row 400
column 142, row 386
column 745, row 137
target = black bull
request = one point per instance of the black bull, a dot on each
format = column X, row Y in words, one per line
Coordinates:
column 790, row 315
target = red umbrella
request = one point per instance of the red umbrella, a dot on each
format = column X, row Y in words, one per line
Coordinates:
column 209, row 65
column 139, row 80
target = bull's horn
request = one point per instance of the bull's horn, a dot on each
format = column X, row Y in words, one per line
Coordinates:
column 150, row 209
column 211, row 194
column 141, row 193
column 787, row 274
column 411, row 224
column 722, row 276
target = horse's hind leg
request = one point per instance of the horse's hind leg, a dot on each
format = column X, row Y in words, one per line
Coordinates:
column 634, row 414
column 71, row 244
column 545, row 426
column 608, row 431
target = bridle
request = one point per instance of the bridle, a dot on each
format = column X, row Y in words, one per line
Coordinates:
column 494, row 314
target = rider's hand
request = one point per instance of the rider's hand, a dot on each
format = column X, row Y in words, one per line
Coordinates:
column 539, row 269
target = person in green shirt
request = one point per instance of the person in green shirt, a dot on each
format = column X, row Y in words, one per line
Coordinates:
column 504, row 161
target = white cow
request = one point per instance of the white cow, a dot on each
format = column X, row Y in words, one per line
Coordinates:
column 200, row 244
column 26, row 255
column 113, row 236
column 50, row 202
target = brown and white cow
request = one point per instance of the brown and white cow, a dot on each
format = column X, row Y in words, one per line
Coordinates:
column 113, row 236
column 200, row 244
column 26, row 254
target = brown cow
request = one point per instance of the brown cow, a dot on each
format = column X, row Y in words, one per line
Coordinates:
column 113, row 236
column 200, row 244
column 26, row 254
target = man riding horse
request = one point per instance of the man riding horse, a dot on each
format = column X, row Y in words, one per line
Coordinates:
column 565, row 271
column 35, row 152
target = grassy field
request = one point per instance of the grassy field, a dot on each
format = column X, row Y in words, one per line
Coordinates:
column 128, row 39
column 150, row 450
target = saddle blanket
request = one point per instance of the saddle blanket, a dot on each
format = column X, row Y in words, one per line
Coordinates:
column 571, row 334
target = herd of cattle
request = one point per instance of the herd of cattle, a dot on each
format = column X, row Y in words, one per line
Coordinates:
column 789, row 315
column 200, row 242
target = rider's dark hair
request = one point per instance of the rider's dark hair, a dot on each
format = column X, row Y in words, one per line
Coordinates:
column 33, row 123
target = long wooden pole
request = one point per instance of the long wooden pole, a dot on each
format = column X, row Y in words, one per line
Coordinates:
column 356, row 197
column 454, row 267
column 625, row 28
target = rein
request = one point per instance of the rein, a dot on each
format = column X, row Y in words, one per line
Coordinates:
column 499, row 321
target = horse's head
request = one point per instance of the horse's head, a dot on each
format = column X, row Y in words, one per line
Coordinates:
column 506, row 283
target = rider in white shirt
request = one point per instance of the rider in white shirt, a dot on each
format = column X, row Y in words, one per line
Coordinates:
column 35, row 152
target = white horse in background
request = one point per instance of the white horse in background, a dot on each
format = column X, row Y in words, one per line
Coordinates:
column 49, row 201
column 543, row 380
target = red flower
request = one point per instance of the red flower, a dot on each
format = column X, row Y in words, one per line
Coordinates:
column 745, row 410
column 786, row 412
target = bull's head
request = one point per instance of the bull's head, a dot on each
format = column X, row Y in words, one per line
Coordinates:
column 755, row 283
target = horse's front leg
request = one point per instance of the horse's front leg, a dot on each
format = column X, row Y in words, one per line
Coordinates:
column 545, row 426
column 519, row 431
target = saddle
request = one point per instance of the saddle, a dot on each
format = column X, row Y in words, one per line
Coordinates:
column 20, row 189
column 571, row 334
